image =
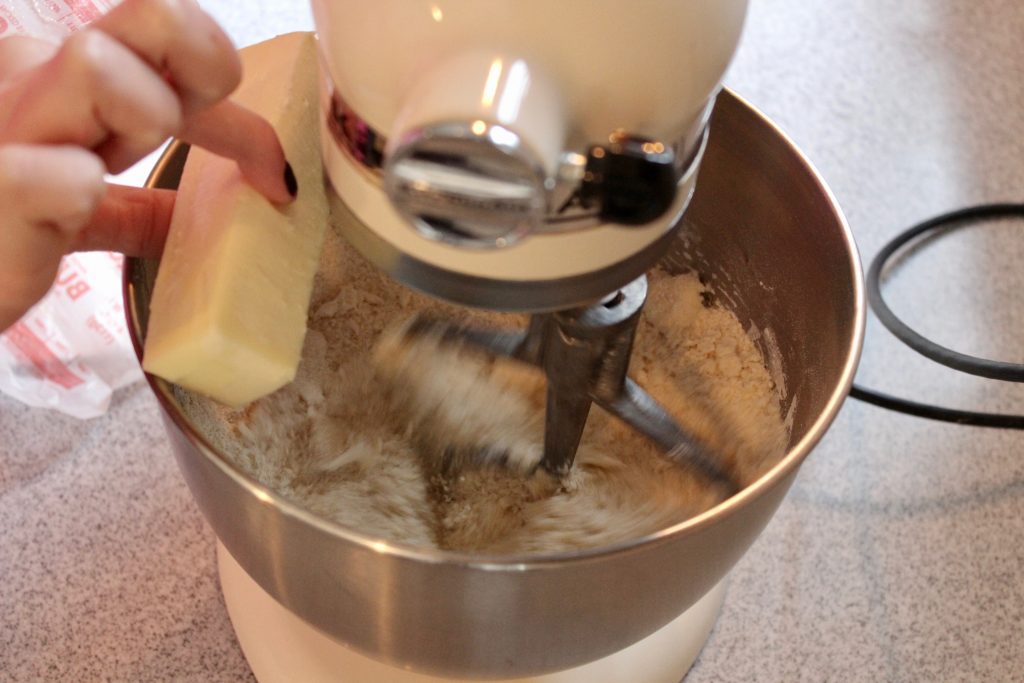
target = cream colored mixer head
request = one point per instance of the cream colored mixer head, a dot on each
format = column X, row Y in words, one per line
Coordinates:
column 526, row 156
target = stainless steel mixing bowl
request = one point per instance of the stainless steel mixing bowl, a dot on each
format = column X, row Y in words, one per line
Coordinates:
column 765, row 230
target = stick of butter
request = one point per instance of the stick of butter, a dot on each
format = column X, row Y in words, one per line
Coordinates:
column 228, row 313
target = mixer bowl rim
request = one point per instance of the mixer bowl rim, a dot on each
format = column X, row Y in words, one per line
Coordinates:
column 539, row 561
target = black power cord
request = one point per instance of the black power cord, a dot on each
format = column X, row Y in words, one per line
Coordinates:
column 983, row 367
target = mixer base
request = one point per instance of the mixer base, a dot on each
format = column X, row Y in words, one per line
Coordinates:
column 281, row 647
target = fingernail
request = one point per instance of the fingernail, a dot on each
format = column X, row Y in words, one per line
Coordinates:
column 290, row 181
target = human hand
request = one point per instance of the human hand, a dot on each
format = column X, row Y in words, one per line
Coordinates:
column 96, row 104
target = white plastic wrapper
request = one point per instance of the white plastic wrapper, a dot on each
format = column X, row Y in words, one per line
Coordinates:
column 71, row 351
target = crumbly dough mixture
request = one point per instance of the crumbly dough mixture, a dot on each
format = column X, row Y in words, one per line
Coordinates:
column 355, row 440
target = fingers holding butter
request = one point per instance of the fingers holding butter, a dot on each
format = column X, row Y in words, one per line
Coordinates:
column 179, row 40
column 99, row 102
column 146, row 71
column 182, row 42
column 95, row 93
column 48, row 195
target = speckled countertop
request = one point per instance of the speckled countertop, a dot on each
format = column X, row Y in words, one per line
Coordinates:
column 899, row 553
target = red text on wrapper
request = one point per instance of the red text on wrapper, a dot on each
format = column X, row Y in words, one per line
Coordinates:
column 71, row 280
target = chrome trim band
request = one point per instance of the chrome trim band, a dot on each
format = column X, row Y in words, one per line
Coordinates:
column 567, row 208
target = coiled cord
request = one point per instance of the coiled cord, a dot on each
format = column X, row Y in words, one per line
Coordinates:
column 983, row 367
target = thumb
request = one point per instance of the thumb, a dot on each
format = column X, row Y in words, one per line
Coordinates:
column 131, row 220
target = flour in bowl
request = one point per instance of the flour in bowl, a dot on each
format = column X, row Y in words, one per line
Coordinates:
column 345, row 441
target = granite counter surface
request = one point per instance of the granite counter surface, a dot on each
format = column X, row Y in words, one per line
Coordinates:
column 899, row 553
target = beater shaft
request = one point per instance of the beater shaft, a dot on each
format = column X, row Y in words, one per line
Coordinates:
column 584, row 353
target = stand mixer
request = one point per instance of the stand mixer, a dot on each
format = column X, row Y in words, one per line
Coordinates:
column 530, row 157
column 536, row 157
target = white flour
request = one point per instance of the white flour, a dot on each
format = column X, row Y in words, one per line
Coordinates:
column 344, row 442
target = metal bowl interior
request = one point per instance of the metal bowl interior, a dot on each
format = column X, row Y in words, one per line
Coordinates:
column 765, row 231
